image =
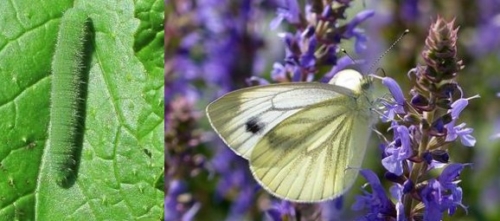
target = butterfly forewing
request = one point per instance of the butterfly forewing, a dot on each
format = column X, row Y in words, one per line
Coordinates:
column 243, row 117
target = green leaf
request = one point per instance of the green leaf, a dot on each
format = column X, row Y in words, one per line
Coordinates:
column 120, row 171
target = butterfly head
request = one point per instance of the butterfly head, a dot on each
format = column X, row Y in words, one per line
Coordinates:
column 352, row 80
column 366, row 84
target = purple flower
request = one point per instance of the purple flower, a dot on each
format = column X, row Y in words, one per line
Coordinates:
column 211, row 49
column 360, row 40
column 180, row 87
column 307, row 60
column 395, row 90
column 289, row 11
column 358, row 19
column 457, row 107
column 409, row 10
column 358, row 34
column 281, row 210
column 342, row 63
column 300, row 58
column 278, row 74
column 486, row 38
column 332, row 209
column 398, row 150
column 180, row 141
column 315, row 42
column 242, row 203
column 460, row 131
column 377, row 202
column 450, row 174
column 180, row 84
column 443, row 193
column 234, row 175
column 420, row 102
column 216, row 50
column 432, row 199
column 438, row 126
column 397, row 193
column 391, row 108
column 430, row 159
column 176, row 209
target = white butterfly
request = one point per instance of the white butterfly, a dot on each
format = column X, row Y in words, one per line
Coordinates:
column 301, row 139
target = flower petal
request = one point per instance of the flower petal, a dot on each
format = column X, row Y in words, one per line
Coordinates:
column 395, row 90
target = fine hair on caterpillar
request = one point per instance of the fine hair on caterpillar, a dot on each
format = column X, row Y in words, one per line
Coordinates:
column 70, row 70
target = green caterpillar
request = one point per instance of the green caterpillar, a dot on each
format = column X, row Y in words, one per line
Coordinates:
column 68, row 95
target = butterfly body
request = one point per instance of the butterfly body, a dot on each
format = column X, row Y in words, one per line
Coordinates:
column 304, row 141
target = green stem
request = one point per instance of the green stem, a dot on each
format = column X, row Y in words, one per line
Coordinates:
column 418, row 168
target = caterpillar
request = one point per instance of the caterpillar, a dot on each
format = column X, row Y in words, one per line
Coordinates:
column 70, row 67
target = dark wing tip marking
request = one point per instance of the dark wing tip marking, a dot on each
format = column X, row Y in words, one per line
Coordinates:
column 254, row 125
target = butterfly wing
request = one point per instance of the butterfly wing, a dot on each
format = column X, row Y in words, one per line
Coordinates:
column 307, row 156
column 243, row 117
column 305, row 141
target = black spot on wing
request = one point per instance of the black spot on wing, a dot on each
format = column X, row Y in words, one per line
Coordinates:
column 254, row 125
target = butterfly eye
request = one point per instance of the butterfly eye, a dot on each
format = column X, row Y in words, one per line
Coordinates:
column 366, row 85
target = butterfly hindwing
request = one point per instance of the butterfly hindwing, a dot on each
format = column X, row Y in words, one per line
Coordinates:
column 305, row 157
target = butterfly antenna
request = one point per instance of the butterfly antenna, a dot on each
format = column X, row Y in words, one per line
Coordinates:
column 382, row 70
column 386, row 51
column 349, row 56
